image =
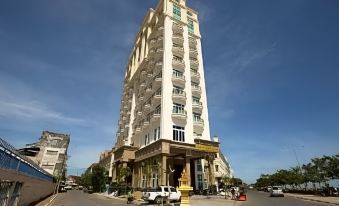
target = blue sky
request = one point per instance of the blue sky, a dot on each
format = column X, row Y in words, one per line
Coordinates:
column 271, row 68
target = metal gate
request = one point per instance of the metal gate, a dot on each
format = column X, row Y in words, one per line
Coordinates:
column 5, row 187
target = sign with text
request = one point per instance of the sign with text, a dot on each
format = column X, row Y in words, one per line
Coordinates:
column 206, row 147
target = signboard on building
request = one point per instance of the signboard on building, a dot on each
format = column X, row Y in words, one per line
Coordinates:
column 206, row 147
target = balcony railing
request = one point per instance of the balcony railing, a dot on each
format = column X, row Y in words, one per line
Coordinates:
column 178, row 50
column 198, row 125
column 181, row 114
column 177, row 29
column 180, row 79
column 177, row 63
column 197, row 106
column 193, row 52
column 178, row 39
column 195, row 75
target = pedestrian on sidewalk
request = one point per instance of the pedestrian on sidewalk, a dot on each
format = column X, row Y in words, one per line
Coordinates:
column 233, row 194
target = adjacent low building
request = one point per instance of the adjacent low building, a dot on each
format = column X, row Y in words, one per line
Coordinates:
column 50, row 152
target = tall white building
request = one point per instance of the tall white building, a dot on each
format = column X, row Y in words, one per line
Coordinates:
column 163, row 126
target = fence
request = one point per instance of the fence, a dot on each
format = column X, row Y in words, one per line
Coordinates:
column 11, row 159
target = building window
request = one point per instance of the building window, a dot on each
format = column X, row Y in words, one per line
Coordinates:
column 195, row 100
column 146, row 139
column 156, row 134
column 143, row 181
column 178, row 133
column 154, row 180
column 199, row 166
column 178, row 108
column 178, row 90
column 194, row 85
column 200, row 183
column 177, row 58
column 176, row 11
column 50, row 152
column 177, row 73
column 217, row 168
column 196, row 117
column 190, row 25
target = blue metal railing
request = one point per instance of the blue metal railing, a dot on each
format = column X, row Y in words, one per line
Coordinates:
column 11, row 159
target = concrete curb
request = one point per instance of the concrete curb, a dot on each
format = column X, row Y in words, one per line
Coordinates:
column 51, row 200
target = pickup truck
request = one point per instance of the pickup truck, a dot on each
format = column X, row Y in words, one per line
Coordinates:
column 161, row 193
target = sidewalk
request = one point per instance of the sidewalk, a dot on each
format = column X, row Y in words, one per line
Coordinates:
column 328, row 200
column 47, row 201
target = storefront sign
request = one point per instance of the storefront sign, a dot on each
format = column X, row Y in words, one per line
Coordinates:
column 206, row 148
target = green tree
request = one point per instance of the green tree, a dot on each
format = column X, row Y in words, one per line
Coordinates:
column 98, row 178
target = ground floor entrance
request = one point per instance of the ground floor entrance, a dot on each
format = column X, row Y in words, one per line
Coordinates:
column 163, row 162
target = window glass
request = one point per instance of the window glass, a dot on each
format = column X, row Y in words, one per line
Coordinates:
column 176, row 12
column 178, row 133
column 190, row 25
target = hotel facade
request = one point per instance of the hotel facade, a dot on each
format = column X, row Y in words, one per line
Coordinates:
column 163, row 126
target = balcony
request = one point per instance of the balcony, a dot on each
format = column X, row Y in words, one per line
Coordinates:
column 193, row 53
column 177, row 29
column 197, row 106
column 158, row 64
column 195, row 75
column 178, row 39
column 192, row 42
column 145, row 124
column 178, row 51
column 158, row 79
column 178, row 79
column 155, row 117
column 179, row 96
column 137, row 130
column 143, row 84
column 181, row 115
column 141, row 98
column 178, row 63
column 139, row 113
column 147, row 106
column 158, row 32
column 159, row 52
column 157, row 97
column 198, row 126
column 194, row 63
column 149, row 89
column 196, row 90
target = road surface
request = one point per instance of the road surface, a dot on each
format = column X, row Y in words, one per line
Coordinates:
column 263, row 199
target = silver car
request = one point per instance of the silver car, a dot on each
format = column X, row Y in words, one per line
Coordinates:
column 277, row 191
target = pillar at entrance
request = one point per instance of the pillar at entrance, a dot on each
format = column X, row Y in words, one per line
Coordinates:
column 164, row 175
column 188, row 170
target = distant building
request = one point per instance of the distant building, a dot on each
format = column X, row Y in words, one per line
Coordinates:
column 50, row 153
column 105, row 160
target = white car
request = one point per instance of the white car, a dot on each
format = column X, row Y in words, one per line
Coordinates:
column 158, row 195
column 276, row 191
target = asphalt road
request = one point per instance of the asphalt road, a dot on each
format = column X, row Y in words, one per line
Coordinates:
column 263, row 199
column 79, row 198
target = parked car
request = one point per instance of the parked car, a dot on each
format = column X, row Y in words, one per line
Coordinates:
column 162, row 193
column 268, row 189
column 90, row 190
column 277, row 191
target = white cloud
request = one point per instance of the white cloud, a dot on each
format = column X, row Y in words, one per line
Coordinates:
column 33, row 110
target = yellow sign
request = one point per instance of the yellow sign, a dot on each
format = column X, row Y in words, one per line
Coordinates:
column 207, row 148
